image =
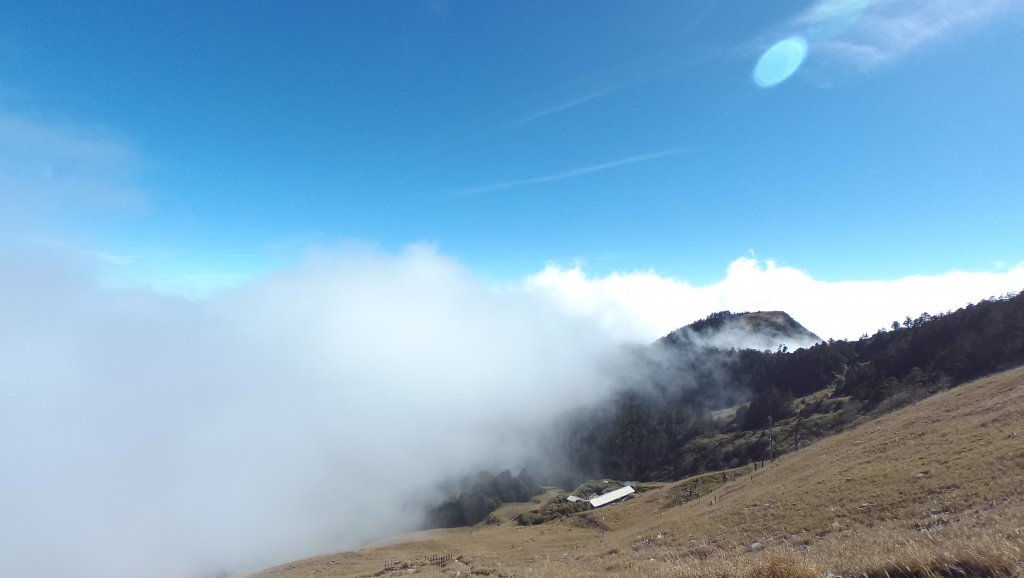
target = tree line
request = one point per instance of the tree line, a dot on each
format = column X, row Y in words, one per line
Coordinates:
column 684, row 409
column 663, row 424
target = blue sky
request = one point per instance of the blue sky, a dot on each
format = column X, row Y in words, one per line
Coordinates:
column 235, row 237
column 195, row 144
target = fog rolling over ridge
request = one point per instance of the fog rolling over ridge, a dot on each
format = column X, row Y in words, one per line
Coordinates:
column 150, row 435
column 762, row 330
column 309, row 411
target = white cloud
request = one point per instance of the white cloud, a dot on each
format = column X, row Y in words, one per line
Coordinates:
column 152, row 435
column 868, row 33
column 645, row 305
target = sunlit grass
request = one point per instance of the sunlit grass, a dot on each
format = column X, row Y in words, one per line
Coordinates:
column 932, row 490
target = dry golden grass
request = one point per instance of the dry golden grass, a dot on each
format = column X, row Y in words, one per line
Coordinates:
column 933, row 490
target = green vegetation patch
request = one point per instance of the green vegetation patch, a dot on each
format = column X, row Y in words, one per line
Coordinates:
column 555, row 508
column 587, row 489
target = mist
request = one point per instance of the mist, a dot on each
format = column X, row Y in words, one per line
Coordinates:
column 738, row 335
column 146, row 434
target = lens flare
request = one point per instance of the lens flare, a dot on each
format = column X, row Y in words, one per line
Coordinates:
column 780, row 61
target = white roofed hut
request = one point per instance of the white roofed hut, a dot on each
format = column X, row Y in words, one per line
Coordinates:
column 612, row 496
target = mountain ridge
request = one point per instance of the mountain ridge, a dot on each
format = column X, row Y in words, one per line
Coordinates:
column 746, row 330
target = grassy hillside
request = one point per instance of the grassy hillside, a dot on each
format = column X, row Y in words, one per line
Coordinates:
column 934, row 489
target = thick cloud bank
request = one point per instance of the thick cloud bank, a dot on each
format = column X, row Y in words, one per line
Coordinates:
column 646, row 305
column 149, row 435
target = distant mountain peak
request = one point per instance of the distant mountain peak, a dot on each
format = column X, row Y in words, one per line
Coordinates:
column 748, row 330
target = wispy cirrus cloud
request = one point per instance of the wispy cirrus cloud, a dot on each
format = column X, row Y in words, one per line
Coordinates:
column 569, row 174
column 869, row 33
column 47, row 168
column 563, row 106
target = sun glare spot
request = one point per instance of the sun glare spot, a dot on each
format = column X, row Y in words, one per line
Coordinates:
column 780, row 61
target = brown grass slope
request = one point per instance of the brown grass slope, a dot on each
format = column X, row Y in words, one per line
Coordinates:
column 934, row 489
